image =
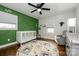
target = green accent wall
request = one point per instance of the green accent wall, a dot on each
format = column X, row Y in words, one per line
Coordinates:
column 25, row 23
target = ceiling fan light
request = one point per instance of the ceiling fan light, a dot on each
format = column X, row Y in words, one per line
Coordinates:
column 39, row 10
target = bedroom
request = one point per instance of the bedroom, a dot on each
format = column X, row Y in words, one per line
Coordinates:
column 53, row 27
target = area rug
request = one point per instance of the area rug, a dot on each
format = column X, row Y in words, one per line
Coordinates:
column 38, row 48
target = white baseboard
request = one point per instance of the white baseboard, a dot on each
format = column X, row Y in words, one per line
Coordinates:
column 6, row 45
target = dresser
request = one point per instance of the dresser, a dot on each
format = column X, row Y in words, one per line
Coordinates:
column 72, row 44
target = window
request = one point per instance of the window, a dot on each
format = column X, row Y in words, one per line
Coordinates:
column 72, row 25
column 50, row 30
column 7, row 26
column 8, row 21
column 72, row 22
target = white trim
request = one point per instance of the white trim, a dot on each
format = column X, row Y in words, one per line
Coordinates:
column 6, row 45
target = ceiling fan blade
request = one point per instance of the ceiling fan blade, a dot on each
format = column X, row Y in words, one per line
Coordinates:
column 41, row 5
column 45, row 8
column 40, row 12
column 32, row 5
column 33, row 10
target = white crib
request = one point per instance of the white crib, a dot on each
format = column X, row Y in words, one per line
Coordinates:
column 24, row 36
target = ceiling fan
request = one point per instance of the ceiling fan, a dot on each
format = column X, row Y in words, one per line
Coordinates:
column 39, row 8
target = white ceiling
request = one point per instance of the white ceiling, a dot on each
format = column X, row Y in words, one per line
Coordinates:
column 55, row 8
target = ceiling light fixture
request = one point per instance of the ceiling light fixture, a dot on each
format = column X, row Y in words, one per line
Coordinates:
column 39, row 10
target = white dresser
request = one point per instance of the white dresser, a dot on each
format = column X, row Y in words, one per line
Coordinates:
column 72, row 44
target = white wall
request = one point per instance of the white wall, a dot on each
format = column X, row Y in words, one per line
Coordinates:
column 54, row 22
column 77, row 16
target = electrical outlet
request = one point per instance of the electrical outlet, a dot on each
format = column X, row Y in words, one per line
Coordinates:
column 8, row 39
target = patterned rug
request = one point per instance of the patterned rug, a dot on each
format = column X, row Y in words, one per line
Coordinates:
column 38, row 48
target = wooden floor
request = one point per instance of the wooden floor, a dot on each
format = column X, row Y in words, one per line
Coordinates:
column 62, row 50
column 11, row 51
